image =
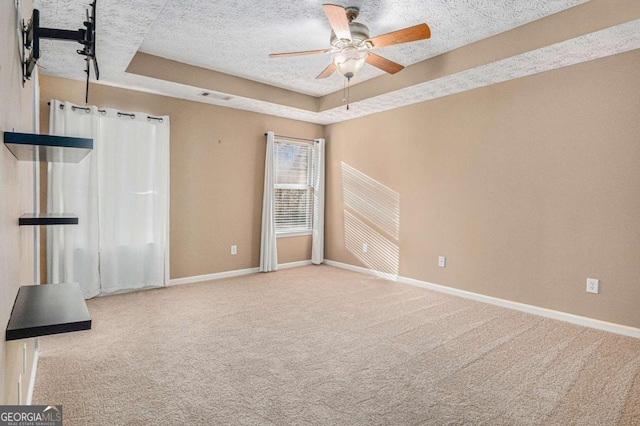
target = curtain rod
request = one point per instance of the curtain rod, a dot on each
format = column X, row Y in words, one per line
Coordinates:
column 103, row 112
column 294, row 138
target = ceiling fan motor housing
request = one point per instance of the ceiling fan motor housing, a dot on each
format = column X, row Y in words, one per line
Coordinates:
column 359, row 35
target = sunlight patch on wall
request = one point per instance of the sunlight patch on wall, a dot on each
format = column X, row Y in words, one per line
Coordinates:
column 371, row 222
column 371, row 248
column 375, row 202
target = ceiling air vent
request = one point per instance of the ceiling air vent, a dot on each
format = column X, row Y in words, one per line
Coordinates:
column 215, row 96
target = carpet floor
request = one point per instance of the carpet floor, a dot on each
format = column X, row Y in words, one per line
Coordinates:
column 318, row 345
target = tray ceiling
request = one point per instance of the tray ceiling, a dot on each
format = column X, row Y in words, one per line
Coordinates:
column 236, row 37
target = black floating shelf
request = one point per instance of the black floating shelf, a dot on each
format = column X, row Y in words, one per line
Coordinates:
column 40, row 310
column 48, row 219
column 57, row 149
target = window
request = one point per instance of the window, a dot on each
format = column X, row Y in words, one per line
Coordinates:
column 293, row 165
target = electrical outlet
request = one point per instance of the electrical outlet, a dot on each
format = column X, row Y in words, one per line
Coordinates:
column 365, row 247
column 234, row 250
column 592, row 285
column 442, row 261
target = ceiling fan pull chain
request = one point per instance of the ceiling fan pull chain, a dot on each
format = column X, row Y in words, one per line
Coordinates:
column 344, row 91
column 348, row 86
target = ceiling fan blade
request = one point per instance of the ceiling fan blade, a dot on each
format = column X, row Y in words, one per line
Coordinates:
column 327, row 71
column 418, row 32
column 383, row 63
column 306, row 52
column 337, row 17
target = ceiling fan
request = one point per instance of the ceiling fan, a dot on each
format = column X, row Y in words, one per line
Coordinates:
column 351, row 44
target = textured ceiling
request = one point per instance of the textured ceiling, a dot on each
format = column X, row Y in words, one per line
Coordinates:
column 235, row 37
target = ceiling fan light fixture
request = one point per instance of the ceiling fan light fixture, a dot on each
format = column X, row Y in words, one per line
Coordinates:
column 349, row 61
column 350, row 44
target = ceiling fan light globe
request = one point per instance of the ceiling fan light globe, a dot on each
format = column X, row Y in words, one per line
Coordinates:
column 349, row 61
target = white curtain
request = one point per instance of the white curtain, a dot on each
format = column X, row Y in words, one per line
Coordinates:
column 268, row 245
column 317, row 244
column 120, row 192
column 72, row 250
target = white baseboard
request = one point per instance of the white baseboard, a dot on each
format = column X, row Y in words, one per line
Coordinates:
column 32, row 378
column 535, row 310
column 215, row 276
column 229, row 274
column 294, row 264
column 362, row 270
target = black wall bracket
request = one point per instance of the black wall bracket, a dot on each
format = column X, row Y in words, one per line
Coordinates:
column 33, row 32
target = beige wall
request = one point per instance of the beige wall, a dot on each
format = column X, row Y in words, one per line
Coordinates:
column 217, row 174
column 289, row 249
column 16, row 195
column 527, row 187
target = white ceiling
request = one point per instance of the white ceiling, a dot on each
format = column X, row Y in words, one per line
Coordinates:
column 236, row 37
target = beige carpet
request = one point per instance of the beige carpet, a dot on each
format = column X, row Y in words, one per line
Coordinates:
column 322, row 346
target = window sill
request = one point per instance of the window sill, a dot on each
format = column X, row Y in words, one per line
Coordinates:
column 294, row 234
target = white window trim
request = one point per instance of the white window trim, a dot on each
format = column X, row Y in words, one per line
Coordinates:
column 293, row 234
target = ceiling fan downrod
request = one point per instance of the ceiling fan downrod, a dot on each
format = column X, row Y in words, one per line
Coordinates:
column 352, row 13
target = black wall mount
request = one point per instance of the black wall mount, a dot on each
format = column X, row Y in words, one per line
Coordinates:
column 33, row 32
